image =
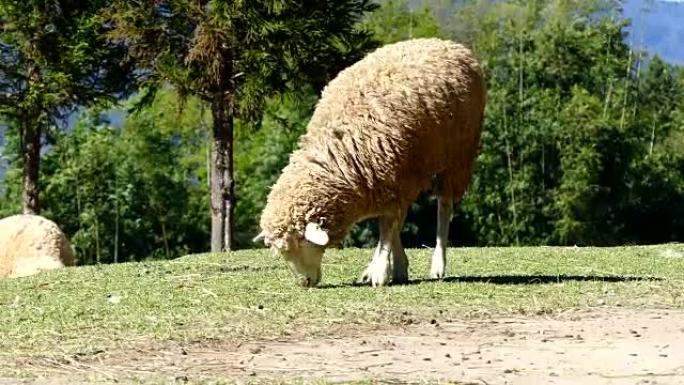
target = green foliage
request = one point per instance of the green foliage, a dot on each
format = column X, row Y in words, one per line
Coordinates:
column 149, row 178
column 10, row 192
column 234, row 56
column 566, row 132
column 130, row 193
column 395, row 21
column 583, row 140
column 53, row 60
column 570, row 124
column 252, row 48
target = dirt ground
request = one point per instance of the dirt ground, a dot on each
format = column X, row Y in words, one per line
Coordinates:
column 607, row 347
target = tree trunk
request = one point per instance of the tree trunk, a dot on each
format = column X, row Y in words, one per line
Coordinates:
column 31, row 131
column 165, row 237
column 222, row 190
column 31, row 155
column 116, row 217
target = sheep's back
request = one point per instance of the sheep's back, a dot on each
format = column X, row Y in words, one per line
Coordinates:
column 407, row 80
column 402, row 114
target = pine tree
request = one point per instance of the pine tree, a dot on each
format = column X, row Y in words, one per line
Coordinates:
column 232, row 55
column 51, row 62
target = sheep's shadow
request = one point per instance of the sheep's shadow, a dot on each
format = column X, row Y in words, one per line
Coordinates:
column 512, row 280
column 248, row 269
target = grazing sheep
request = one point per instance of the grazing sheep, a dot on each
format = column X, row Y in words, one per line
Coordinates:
column 30, row 244
column 385, row 128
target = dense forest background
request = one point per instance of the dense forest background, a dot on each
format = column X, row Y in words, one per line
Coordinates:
column 583, row 142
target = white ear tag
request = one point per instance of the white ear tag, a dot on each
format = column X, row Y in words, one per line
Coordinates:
column 315, row 234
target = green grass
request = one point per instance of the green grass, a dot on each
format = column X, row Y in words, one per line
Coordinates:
column 250, row 294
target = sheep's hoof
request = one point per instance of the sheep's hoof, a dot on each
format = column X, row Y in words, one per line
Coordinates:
column 365, row 277
column 400, row 277
column 371, row 277
column 437, row 273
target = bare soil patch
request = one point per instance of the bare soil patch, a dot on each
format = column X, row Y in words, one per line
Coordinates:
column 616, row 346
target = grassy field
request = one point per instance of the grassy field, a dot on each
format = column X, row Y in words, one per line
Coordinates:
column 249, row 295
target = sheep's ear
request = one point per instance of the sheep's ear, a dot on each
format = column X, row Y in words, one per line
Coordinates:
column 315, row 234
column 259, row 237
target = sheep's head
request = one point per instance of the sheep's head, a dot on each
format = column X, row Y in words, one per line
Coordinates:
column 302, row 252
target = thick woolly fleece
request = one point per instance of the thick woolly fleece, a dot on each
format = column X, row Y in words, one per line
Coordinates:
column 30, row 244
column 383, row 129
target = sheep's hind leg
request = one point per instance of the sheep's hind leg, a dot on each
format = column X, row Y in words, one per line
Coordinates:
column 400, row 261
column 379, row 270
column 444, row 212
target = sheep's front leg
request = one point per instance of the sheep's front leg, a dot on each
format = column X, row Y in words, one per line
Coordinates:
column 379, row 270
column 444, row 211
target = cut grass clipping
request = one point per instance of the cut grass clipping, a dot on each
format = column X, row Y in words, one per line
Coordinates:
column 251, row 295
